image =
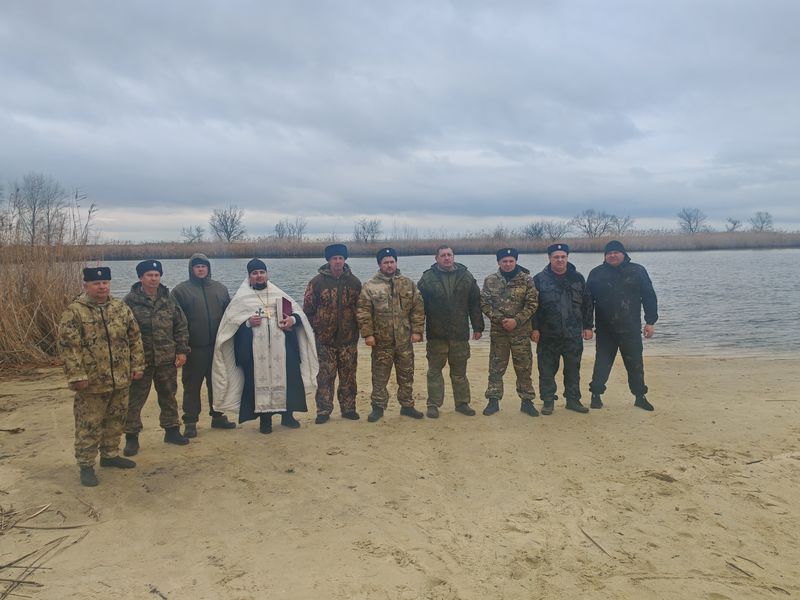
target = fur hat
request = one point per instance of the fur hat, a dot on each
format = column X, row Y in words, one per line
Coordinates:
column 384, row 252
column 97, row 274
column 503, row 252
column 557, row 247
column 148, row 265
column 335, row 250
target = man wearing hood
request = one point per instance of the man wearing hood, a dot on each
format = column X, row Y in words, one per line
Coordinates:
column 509, row 300
column 203, row 301
column 620, row 289
column 391, row 317
column 166, row 343
column 100, row 344
column 452, row 301
column 330, row 303
column 560, row 324
column 264, row 359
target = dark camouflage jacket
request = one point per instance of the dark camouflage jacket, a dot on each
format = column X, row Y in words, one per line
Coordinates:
column 565, row 306
column 203, row 301
column 391, row 309
column 330, row 305
column 100, row 343
column 162, row 323
column 516, row 299
column 449, row 317
column 619, row 293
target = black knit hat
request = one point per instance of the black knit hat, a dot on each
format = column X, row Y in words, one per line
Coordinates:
column 503, row 252
column 148, row 265
column 557, row 247
column 335, row 250
column 384, row 252
column 199, row 260
column 614, row 246
column 97, row 274
column 255, row 264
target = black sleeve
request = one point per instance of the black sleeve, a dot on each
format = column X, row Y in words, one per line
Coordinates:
column 243, row 345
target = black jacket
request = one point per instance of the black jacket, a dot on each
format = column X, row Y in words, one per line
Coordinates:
column 565, row 306
column 449, row 318
column 618, row 293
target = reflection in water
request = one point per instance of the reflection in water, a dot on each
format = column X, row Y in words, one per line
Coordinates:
column 718, row 302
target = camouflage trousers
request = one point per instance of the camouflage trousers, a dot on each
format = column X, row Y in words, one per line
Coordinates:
column 335, row 360
column 98, row 424
column 549, row 353
column 402, row 357
column 629, row 346
column 165, row 378
column 519, row 347
column 440, row 353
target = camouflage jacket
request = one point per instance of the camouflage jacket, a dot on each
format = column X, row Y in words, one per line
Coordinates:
column 100, row 343
column 565, row 306
column 330, row 305
column 448, row 316
column 162, row 323
column 391, row 309
column 203, row 301
column 516, row 299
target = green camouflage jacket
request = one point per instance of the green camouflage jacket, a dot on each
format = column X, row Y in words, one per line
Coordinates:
column 391, row 309
column 516, row 299
column 162, row 323
column 100, row 343
column 330, row 305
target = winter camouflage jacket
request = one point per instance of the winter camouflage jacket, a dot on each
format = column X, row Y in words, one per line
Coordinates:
column 391, row 309
column 619, row 293
column 565, row 306
column 448, row 317
column 162, row 323
column 330, row 305
column 516, row 299
column 100, row 343
column 203, row 301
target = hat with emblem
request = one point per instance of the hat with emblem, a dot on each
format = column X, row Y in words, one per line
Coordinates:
column 97, row 274
column 384, row 252
column 148, row 265
column 335, row 250
column 556, row 248
column 503, row 252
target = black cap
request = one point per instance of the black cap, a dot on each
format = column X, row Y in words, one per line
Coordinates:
column 97, row 274
column 556, row 247
column 503, row 252
column 199, row 260
column 384, row 252
column 148, row 265
column 255, row 264
column 335, row 250
column 614, row 246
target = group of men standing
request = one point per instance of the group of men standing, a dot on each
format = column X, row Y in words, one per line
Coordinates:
column 260, row 352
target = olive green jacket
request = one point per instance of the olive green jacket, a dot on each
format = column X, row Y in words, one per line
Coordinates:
column 100, row 343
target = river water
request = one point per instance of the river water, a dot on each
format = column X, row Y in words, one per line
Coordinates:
column 723, row 303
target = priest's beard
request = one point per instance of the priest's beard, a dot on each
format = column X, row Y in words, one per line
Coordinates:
column 259, row 286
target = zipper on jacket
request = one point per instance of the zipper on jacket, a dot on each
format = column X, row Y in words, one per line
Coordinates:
column 110, row 353
column 208, row 313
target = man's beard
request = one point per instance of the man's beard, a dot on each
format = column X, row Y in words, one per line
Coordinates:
column 259, row 286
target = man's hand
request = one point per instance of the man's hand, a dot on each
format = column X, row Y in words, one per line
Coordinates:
column 587, row 334
column 286, row 323
column 508, row 323
column 416, row 337
column 369, row 340
column 137, row 375
column 649, row 330
column 77, row 386
column 180, row 360
column 536, row 336
column 255, row 321
column 476, row 335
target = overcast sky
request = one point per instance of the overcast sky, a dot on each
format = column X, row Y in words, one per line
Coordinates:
column 444, row 116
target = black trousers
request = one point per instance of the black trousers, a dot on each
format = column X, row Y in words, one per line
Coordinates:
column 629, row 345
column 196, row 370
column 550, row 351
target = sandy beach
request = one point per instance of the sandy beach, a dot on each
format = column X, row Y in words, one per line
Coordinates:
column 695, row 500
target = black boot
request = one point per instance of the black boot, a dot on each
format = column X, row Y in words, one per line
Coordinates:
column 221, row 422
column 576, row 406
column 88, row 478
column 265, row 423
column 117, row 461
column 528, row 408
column 596, row 401
column 352, row 415
column 288, row 420
column 376, row 414
column 641, row 402
column 410, row 411
column 131, row 444
column 190, row 430
column 491, row 407
column 548, row 407
column 322, row 419
column 172, row 435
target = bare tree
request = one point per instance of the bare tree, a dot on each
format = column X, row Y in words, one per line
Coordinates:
column 367, row 230
column 555, row 230
column 40, row 206
column 593, row 224
column 762, row 221
column 282, row 229
column 226, row 224
column 620, row 225
column 534, row 230
column 692, row 220
column 193, row 234
column 297, row 228
column 732, row 225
